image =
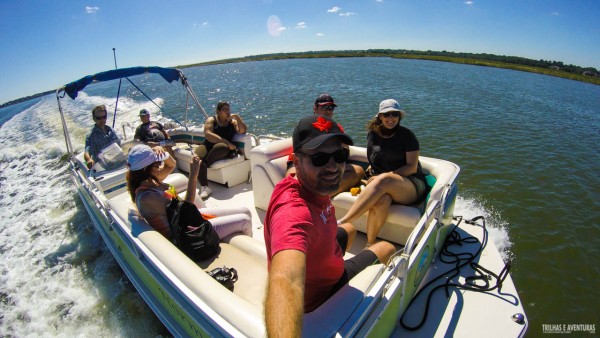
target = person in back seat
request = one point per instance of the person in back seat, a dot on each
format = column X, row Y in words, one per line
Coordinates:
column 305, row 247
column 353, row 173
column 100, row 137
column 148, row 167
column 218, row 144
column 152, row 133
column 395, row 173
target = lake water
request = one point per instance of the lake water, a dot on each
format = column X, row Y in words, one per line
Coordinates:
column 527, row 145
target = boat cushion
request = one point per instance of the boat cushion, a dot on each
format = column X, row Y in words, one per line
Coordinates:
column 269, row 166
column 229, row 171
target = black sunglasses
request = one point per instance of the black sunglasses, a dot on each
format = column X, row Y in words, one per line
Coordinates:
column 327, row 107
column 321, row 159
column 98, row 118
column 390, row 113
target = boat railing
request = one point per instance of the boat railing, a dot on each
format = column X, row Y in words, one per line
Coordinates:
column 421, row 227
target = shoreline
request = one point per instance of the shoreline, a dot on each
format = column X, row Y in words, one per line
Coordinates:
column 400, row 54
column 464, row 58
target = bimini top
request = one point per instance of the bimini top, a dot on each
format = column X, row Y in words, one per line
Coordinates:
column 169, row 74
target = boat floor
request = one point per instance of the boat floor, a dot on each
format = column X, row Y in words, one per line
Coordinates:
column 465, row 314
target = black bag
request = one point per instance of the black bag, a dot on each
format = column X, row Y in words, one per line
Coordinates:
column 190, row 232
column 226, row 276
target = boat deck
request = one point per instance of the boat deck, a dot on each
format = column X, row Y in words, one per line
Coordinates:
column 466, row 313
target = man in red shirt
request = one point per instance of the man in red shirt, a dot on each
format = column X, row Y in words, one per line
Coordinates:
column 305, row 246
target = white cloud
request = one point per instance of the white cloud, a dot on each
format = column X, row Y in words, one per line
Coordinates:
column 378, row 0
column 555, row 13
column 301, row 24
column 469, row 3
column 348, row 14
column 320, row 34
column 281, row 29
column 205, row 23
column 334, row 9
column 91, row 10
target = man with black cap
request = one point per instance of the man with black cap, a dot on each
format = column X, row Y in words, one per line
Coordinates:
column 151, row 133
column 324, row 106
column 305, row 246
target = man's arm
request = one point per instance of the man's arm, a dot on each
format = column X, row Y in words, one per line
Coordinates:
column 240, row 126
column 138, row 134
column 89, row 162
column 284, row 304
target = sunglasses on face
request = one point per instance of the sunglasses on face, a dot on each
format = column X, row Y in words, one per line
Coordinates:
column 393, row 114
column 98, row 118
column 327, row 107
column 321, row 159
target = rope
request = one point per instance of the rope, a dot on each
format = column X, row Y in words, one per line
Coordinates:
column 460, row 260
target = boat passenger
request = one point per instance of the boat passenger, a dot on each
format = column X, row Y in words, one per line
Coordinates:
column 148, row 167
column 305, row 247
column 99, row 137
column 218, row 143
column 394, row 174
column 152, row 133
column 353, row 173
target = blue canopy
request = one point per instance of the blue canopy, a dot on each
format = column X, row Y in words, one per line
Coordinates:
column 169, row 74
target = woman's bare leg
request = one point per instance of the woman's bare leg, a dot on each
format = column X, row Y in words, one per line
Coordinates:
column 377, row 216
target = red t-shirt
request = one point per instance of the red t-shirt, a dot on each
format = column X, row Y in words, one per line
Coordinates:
column 299, row 220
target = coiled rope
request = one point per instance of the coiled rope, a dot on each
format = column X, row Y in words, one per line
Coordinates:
column 460, row 260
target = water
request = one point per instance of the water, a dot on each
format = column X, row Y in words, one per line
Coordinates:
column 527, row 145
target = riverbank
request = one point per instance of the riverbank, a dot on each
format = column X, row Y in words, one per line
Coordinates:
column 401, row 54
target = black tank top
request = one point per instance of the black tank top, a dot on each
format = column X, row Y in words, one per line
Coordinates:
column 225, row 132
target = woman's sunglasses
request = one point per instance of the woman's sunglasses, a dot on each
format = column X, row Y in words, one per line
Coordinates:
column 321, row 159
column 394, row 114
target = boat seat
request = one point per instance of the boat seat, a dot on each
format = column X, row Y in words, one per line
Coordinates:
column 229, row 171
column 244, row 307
column 269, row 166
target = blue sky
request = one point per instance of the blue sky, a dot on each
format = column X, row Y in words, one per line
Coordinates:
column 45, row 44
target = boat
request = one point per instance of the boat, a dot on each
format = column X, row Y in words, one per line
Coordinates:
column 447, row 278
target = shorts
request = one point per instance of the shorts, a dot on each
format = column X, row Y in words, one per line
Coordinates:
column 353, row 265
column 420, row 186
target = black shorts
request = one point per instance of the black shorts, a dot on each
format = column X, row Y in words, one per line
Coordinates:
column 353, row 265
column 420, row 186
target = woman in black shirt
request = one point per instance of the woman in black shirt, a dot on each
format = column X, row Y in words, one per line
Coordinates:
column 394, row 175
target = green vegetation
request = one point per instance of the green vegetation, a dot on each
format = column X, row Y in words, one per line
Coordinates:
column 553, row 68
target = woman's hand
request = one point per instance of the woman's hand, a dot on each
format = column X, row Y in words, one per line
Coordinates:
column 195, row 166
column 159, row 150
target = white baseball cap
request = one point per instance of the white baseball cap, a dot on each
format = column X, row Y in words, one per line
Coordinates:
column 390, row 105
column 141, row 156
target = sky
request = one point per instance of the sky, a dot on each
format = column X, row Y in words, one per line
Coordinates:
column 46, row 44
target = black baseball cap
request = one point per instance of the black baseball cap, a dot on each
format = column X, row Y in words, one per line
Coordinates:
column 313, row 130
column 325, row 100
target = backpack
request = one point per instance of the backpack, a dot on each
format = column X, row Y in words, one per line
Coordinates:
column 190, row 232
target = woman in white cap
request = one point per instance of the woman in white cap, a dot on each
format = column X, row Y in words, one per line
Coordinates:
column 394, row 174
column 148, row 167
